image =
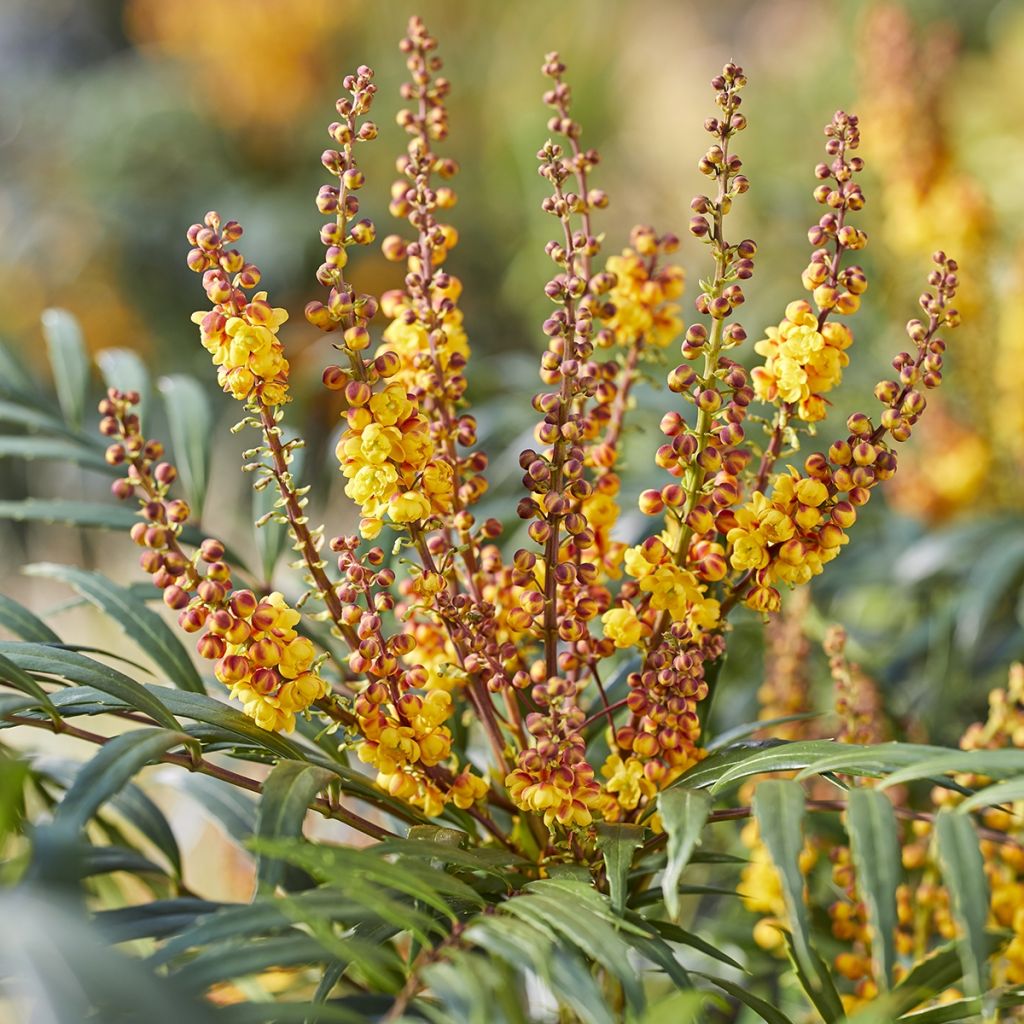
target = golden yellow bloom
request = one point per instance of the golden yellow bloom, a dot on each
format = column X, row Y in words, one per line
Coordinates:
column 627, row 784
column 246, row 350
column 622, row 626
column 802, row 362
column 563, row 794
column 408, row 337
column 408, row 507
column 264, row 661
column 672, row 588
column 643, row 301
column 788, row 537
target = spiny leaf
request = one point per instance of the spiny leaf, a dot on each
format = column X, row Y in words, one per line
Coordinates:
column 73, row 977
column 741, row 732
column 378, row 961
column 617, row 844
column 41, row 658
column 37, row 419
column 56, row 449
column 816, row 981
column 993, row 763
column 13, row 705
column 874, row 843
column 142, row 813
column 14, row 676
column 960, row 1010
column 779, row 810
column 158, row 919
column 935, row 973
column 15, row 382
column 293, row 949
column 131, row 804
column 69, row 362
column 874, row 760
column 763, row 1009
column 725, row 766
column 684, row 813
column 110, row 769
column 287, row 792
column 347, row 867
column 1001, row 793
column 143, row 625
column 99, row 860
column 673, row 933
column 963, row 870
column 25, row 624
column 191, row 426
column 587, row 931
column 264, row 916
column 201, row 708
column 530, row 946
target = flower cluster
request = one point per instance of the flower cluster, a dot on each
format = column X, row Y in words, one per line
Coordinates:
column 805, row 355
column 644, row 294
column 802, row 362
column 960, row 459
column 530, row 691
column 240, row 332
column 259, row 655
column 924, row 909
column 385, row 456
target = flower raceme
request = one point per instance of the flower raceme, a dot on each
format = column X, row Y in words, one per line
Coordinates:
column 473, row 676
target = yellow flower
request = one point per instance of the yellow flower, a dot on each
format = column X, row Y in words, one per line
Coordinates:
column 391, row 405
column 247, row 351
column 642, row 301
column 627, row 783
column 408, row 507
column 372, row 487
column 622, row 626
column 802, row 362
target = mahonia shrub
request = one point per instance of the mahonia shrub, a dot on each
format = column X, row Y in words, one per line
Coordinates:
column 521, row 643
column 537, row 714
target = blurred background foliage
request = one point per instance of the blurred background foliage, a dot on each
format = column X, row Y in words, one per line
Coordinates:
column 122, row 122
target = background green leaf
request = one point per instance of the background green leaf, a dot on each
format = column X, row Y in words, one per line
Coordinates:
column 684, row 813
column 618, row 843
column 963, row 871
column 110, row 769
column 69, row 361
column 874, row 844
column 191, row 426
column 287, row 793
column 154, row 636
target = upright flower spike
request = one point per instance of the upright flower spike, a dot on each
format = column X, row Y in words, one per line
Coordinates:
column 805, row 354
column 345, row 311
column 258, row 655
column 426, row 329
column 515, row 653
column 789, row 536
column 670, row 577
column 240, row 332
column 560, row 592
